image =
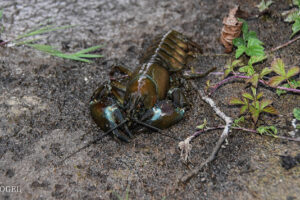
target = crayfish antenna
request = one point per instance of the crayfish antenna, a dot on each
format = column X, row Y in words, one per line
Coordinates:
column 92, row 142
column 154, row 128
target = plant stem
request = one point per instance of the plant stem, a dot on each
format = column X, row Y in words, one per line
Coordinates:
column 284, row 45
column 4, row 43
column 214, row 88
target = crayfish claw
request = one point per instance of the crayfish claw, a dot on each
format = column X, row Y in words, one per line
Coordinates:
column 121, row 136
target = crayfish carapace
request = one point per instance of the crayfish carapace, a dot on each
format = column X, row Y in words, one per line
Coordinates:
column 151, row 94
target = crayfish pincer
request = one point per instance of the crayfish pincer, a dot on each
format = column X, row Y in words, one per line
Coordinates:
column 152, row 95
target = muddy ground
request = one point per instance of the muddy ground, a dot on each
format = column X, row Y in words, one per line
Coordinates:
column 44, row 114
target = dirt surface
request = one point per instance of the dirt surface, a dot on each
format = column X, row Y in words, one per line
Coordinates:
column 44, row 114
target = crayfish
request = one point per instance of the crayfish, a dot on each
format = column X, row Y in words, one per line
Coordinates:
column 151, row 95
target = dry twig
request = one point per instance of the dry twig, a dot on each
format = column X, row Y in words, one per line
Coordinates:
column 285, row 44
column 217, row 147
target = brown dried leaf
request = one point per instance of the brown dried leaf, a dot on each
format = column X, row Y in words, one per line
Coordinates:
column 232, row 29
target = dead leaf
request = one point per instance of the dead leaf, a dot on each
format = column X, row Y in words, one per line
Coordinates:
column 232, row 29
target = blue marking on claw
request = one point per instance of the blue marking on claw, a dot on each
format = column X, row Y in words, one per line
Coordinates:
column 181, row 111
column 109, row 110
column 157, row 114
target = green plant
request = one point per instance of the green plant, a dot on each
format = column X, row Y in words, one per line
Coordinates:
column 202, row 126
column 269, row 130
column 253, row 104
column 230, row 66
column 237, row 121
column 262, row 6
column 22, row 40
column 278, row 67
column 296, row 113
column 249, row 43
column 1, row 26
column 248, row 69
column 294, row 17
column 1, row 13
column 79, row 56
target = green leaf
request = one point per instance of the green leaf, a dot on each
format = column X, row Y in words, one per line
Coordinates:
column 253, row 41
column 292, row 72
column 243, row 109
column 255, row 50
column 264, row 103
column 229, row 67
column 272, row 130
column 256, row 59
column 245, row 28
column 253, row 89
column 227, row 72
column 292, row 16
column 202, row 126
column 278, row 67
column 296, row 113
column 248, row 96
column 237, row 63
column 265, row 71
column 236, row 101
column 296, row 3
column 280, row 92
column 26, row 42
column 90, row 49
column 42, row 30
column 276, row 80
column 296, row 27
column 249, row 70
column 240, row 50
column 256, row 103
column 271, row 110
column 72, row 57
column 295, row 84
column 1, row 13
column 54, row 52
column 254, row 114
column 259, row 95
column 254, row 47
column 45, row 48
column 88, row 55
column 252, row 34
column 262, row 6
column 253, row 80
column 238, row 42
column 238, row 120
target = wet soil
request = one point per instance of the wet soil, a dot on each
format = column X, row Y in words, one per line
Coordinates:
column 44, row 114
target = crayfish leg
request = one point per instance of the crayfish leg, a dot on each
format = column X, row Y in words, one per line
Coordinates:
column 120, row 69
column 195, row 75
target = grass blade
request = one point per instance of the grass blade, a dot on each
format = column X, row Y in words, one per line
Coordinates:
column 45, row 48
column 42, row 30
column 90, row 49
column 1, row 13
column 54, row 52
column 25, row 42
column 71, row 57
column 88, row 55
